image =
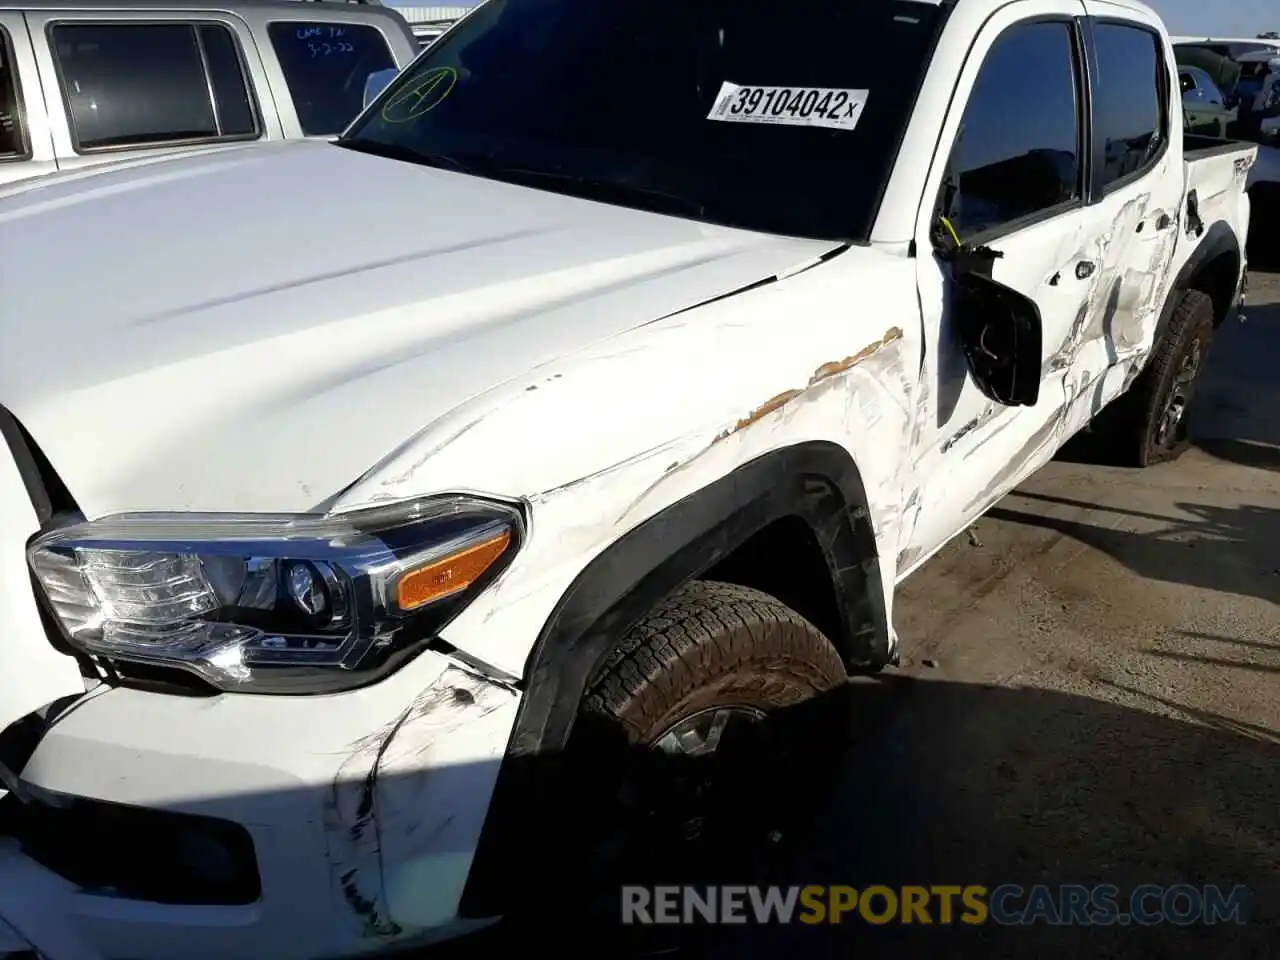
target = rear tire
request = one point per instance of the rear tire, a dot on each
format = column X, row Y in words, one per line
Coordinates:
column 705, row 730
column 1148, row 424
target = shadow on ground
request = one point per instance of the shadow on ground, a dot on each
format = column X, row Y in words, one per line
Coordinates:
column 1238, row 544
column 1264, row 234
column 1233, row 420
column 946, row 783
column 1248, row 648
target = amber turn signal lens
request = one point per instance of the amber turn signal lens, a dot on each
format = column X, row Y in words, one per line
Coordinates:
column 448, row 575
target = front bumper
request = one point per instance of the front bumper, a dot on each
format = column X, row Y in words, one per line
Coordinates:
column 363, row 810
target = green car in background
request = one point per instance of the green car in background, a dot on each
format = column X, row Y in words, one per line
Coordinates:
column 1204, row 106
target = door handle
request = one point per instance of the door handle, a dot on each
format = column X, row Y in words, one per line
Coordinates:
column 1084, row 269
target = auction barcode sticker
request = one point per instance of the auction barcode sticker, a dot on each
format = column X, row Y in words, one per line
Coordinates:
column 795, row 106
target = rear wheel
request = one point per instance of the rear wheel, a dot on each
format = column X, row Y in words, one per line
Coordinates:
column 1148, row 424
column 708, row 730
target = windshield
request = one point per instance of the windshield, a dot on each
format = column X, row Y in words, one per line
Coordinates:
column 781, row 118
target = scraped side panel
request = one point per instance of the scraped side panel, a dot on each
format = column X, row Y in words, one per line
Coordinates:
column 605, row 439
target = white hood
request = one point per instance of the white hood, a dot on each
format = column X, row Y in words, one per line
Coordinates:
column 253, row 330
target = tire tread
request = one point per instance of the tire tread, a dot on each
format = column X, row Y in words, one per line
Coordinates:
column 704, row 632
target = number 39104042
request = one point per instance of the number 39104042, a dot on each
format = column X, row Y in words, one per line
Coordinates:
column 808, row 106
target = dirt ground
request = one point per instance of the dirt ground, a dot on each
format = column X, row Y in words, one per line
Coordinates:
column 1090, row 693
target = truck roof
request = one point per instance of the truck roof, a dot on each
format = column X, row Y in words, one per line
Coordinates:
column 226, row 5
column 1135, row 5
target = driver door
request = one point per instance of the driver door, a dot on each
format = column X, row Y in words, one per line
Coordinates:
column 1008, row 176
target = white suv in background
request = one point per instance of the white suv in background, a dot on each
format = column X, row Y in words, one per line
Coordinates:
column 87, row 82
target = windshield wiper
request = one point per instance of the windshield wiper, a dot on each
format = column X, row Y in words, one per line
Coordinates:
column 396, row 151
column 606, row 190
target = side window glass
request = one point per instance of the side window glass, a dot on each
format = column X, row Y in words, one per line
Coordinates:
column 145, row 84
column 325, row 66
column 1018, row 151
column 1186, row 82
column 236, row 114
column 13, row 141
column 1128, row 100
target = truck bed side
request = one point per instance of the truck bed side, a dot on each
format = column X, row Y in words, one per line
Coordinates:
column 1215, row 171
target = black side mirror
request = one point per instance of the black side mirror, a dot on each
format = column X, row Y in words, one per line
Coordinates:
column 1002, row 338
column 999, row 329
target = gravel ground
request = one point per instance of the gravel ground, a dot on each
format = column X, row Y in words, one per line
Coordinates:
column 1090, row 694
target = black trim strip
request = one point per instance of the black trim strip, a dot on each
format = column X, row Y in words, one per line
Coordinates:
column 28, row 459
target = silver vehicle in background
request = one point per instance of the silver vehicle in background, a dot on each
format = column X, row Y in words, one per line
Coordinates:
column 430, row 22
column 88, row 82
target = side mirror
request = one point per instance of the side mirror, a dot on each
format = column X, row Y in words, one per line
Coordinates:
column 376, row 82
column 1002, row 338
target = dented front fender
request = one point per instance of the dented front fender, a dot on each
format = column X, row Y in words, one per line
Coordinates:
column 406, row 807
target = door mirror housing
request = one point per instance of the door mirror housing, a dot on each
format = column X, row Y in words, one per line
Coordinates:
column 999, row 329
column 1002, row 338
column 376, row 82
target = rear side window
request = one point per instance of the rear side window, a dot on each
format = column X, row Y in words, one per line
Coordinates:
column 13, row 142
column 326, row 65
column 1018, row 152
column 148, row 84
column 1129, row 95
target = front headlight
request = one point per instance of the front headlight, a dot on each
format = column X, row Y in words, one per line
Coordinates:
column 273, row 604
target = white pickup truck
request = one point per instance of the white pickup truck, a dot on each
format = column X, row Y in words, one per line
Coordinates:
column 604, row 378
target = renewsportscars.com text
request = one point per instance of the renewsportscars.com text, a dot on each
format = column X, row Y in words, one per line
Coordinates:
column 1008, row 905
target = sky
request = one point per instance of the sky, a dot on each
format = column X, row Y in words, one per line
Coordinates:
column 1218, row 18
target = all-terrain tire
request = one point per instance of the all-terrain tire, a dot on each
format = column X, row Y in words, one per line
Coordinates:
column 712, row 644
column 1141, row 424
column 709, row 649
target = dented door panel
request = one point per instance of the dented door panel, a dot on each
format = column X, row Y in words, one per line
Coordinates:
column 970, row 449
column 1131, row 226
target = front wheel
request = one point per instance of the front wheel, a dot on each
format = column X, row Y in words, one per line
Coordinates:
column 716, row 732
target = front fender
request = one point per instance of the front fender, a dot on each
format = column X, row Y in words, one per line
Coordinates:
column 599, row 441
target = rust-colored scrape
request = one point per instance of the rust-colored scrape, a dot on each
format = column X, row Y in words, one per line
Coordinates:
column 765, row 409
column 833, row 367
column 824, row 372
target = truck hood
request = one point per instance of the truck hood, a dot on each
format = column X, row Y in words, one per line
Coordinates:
column 254, row 330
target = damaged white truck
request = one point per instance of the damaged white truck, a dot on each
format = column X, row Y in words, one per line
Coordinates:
column 614, row 366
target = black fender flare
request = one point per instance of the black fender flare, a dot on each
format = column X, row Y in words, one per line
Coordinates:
column 815, row 481
column 1219, row 240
